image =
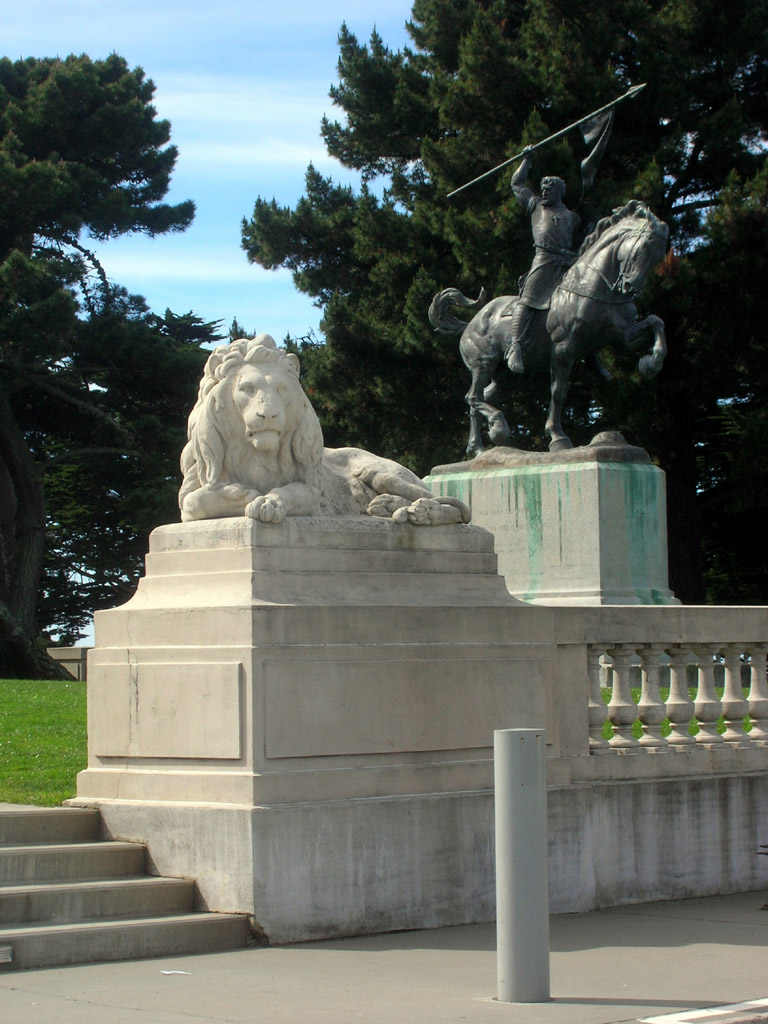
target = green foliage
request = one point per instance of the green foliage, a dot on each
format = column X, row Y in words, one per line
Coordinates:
column 43, row 742
column 482, row 80
column 102, row 502
column 82, row 148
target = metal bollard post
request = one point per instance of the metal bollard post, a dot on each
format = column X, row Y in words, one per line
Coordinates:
column 522, row 890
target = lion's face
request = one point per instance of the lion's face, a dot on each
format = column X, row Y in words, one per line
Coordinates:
column 266, row 402
column 252, row 427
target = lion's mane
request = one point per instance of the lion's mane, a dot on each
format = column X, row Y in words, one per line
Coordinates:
column 218, row 453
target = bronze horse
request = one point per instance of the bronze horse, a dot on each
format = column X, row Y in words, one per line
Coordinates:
column 591, row 308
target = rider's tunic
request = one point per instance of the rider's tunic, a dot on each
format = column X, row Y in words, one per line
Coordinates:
column 554, row 228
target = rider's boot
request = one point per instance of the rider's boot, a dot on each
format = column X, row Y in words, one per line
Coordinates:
column 513, row 356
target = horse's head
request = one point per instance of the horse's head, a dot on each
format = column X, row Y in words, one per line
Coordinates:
column 624, row 246
column 641, row 248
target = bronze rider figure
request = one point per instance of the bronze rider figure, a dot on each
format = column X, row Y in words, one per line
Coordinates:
column 554, row 228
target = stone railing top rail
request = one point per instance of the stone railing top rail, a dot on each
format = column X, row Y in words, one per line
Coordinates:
column 608, row 625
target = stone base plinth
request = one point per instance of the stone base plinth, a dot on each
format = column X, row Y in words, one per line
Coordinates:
column 581, row 527
column 353, row 867
column 283, row 711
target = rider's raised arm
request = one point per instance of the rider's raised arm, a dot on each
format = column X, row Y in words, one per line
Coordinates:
column 522, row 193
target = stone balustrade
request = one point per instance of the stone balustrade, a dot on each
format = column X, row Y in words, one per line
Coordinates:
column 692, row 676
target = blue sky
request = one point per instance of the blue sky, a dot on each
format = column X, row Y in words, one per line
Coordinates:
column 244, row 85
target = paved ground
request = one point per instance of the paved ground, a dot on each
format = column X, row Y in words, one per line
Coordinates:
column 624, row 964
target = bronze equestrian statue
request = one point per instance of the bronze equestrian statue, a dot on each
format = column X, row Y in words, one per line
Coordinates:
column 575, row 300
column 592, row 307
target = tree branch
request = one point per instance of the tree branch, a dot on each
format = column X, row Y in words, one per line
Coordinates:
column 698, row 204
column 86, row 407
column 95, row 266
column 78, row 453
column 91, row 257
column 686, row 177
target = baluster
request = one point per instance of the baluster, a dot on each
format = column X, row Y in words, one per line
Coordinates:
column 622, row 710
column 651, row 710
column 758, row 694
column 597, row 711
column 708, row 706
column 679, row 704
column 735, row 705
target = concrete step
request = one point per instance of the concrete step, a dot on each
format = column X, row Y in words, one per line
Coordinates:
column 66, row 898
column 48, row 825
column 59, row 902
column 48, row 945
column 44, row 862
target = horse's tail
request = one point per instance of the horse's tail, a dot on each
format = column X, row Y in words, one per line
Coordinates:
column 440, row 315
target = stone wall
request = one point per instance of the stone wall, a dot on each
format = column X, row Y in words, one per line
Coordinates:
column 301, row 717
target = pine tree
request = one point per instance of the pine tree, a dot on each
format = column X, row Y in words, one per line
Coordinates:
column 82, row 153
column 483, row 79
column 102, row 501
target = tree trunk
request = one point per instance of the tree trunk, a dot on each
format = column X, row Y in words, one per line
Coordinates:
column 22, row 658
column 677, row 457
column 20, row 650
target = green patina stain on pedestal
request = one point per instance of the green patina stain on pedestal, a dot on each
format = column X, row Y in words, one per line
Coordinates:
column 580, row 532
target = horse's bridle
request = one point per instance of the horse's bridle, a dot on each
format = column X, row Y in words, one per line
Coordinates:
column 628, row 292
column 621, row 280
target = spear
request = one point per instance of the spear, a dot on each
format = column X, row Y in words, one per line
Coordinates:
column 630, row 94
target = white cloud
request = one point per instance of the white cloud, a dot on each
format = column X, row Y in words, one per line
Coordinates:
column 228, row 100
column 225, row 124
column 226, row 159
column 177, row 260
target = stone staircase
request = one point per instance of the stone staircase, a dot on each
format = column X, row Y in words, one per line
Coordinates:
column 67, row 897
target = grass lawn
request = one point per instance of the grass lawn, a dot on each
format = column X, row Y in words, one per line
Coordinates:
column 42, row 740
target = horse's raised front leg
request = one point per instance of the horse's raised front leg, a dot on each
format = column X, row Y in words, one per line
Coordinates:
column 637, row 334
column 560, row 369
column 498, row 428
column 649, row 365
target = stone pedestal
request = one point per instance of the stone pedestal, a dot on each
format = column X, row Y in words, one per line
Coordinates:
column 581, row 527
column 301, row 717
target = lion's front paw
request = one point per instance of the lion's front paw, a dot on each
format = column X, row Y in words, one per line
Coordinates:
column 385, row 505
column 267, row 508
column 428, row 512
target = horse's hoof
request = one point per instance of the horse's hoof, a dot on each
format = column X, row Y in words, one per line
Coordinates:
column 500, row 435
column 647, row 367
column 560, row 444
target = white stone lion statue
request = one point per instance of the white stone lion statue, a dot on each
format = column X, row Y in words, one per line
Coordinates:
column 255, row 449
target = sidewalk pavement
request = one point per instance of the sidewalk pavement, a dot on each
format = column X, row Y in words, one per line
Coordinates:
column 623, row 964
